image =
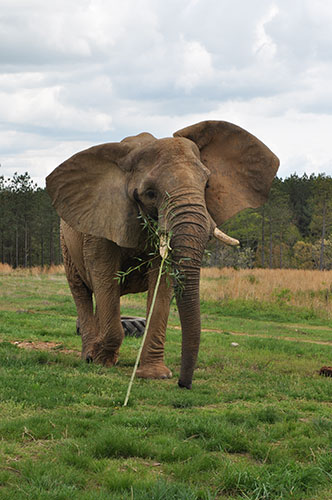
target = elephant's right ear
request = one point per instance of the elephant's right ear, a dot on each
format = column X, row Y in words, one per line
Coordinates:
column 89, row 193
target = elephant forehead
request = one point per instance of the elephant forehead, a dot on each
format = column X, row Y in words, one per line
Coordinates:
column 170, row 155
column 176, row 147
column 164, row 149
column 183, row 160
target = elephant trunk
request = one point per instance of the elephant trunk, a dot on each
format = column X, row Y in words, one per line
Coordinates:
column 189, row 312
column 190, row 229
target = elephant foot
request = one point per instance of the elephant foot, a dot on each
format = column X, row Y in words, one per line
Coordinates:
column 154, row 371
column 182, row 385
column 103, row 356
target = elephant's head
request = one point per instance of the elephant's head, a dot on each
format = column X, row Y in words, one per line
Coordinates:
column 190, row 183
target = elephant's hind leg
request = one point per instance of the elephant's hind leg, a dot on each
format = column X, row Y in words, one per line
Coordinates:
column 106, row 347
column 82, row 296
column 106, row 289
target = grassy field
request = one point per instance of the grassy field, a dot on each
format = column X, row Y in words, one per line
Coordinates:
column 257, row 424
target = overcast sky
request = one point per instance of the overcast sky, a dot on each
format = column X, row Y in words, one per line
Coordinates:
column 78, row 73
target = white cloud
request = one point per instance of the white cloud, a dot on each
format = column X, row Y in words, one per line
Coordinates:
column 74, row 75
column 195, row 65
column 39, row 106
column 264, row 46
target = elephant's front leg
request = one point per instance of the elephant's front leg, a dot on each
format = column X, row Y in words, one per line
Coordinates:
column 152, row 359
column 82, row 294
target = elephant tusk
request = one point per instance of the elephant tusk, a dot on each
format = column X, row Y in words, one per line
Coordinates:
column 164, row 246
column 224, row 238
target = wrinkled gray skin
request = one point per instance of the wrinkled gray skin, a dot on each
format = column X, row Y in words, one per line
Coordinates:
column 206, row 173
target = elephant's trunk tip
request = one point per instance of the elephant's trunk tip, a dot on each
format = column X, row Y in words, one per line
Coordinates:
column 164, row 246
column 184, row 386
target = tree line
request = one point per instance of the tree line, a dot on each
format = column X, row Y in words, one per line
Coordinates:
column 292, row 230
column 29, row 225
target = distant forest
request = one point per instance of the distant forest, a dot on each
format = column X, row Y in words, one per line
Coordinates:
column 29, row 225
column 292, row 230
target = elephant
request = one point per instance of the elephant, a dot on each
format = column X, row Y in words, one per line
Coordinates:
column 188, row 184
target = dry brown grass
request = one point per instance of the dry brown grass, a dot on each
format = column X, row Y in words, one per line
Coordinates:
column 301, row 288
column 5, row 269
column 30, row 271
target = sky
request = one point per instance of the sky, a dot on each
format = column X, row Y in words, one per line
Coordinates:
column 78, row 73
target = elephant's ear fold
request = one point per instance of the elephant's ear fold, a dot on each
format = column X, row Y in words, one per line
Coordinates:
column 242, row 167
column 89, row 193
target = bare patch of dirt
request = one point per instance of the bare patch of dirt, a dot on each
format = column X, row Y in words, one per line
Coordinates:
column 304, row 327
column 306, row 341
column 43, row 346
column 260, row 336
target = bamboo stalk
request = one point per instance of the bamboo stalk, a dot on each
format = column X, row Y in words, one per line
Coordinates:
column 164, row 257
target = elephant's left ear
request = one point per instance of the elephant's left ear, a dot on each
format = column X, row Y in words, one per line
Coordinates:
column 242, row 167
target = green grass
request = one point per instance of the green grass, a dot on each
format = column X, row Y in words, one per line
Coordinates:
column 257, row 424
column 269, row 311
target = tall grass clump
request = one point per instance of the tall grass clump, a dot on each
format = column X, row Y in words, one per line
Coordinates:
column 294, row 287
column 5, row 269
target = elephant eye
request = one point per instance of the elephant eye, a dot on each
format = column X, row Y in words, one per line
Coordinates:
column 207, row 185
column 150, row 194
